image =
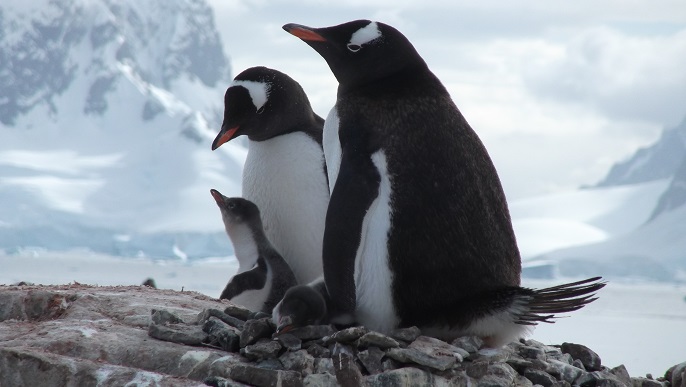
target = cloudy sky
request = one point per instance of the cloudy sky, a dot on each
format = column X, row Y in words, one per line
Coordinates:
column 557, row 90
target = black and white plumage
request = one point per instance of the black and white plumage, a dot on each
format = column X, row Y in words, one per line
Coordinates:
column 418, row 231
column 301, row 305
column 284, row 173
column 264, row 285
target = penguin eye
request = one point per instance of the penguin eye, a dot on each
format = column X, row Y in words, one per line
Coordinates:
column 231, row 205
column 354, row 47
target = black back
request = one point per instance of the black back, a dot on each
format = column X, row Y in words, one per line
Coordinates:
column 451, row 234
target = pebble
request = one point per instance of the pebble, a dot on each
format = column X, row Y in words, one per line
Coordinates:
column 261, row 350
column 254, row 330
column 589, row 359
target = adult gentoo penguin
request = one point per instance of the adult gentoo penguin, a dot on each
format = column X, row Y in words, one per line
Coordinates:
column 284, row 173
column 418, row 231
column 264, row 285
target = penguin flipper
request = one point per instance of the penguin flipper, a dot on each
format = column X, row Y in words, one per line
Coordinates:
column 541, row 305
column 254, row 278
column 356, row 187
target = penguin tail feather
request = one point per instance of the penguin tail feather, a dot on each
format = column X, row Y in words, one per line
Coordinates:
column 541, row 305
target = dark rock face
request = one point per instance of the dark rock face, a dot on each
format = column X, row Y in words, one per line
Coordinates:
column 79, row 335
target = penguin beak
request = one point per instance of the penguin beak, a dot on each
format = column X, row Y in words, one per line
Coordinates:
column 285, row 324
column 218, row 197
column 305, row 33
column 225, row 135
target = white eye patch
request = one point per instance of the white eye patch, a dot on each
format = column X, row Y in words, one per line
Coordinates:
column 259, row 91
column 364, row 35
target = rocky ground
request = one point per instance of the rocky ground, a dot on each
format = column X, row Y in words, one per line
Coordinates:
column 79, row 335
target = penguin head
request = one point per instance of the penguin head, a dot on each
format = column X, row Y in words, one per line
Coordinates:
column 262, row 103
column 301, row 305
column 236, row 210
column 360, row 51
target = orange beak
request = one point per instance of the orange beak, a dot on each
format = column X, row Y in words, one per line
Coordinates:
column 224, row 137
column 303, row 33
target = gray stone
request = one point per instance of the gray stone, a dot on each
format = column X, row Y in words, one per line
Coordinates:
column 477, row 370
column 324, row 365
column 562, row 383
column 222, row 335
column 312, row 332
column 216, row 381
column 610, row 383
column 460, row 379
column 288, row 341
column 212, row 312
column 317, row 350
column 578, row 364
column 566, row 372
column 406, row 377
column 539, row 377
column 265, row 378
column 529, row 352
column 588, row 379
column 470, row 344
column 178, row 333
column 521, row 381
column 347, row 335
column 502, row 371
column 264, row 349
column 339, row 348
column 645, row 382
column 621, row 373
column 371, row 360
column 519, row 364
column 163, row 317
column 270, row 364
column 299, row 361
column 589, row 359
column 406, row 334
column 676, row 375
column 376, row 339
column 412, row 355
column 546, row 367
column 347, row 372
column 259, row 315
column 389, row 364
column 492, row 381
column 438, row 348
column 254, row 330
column 320, row 380
column 238, row 312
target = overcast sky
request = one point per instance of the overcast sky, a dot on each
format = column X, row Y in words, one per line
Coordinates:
column 557, row 90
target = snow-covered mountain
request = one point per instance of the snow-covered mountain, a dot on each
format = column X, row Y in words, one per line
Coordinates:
column 632, row 225
column 107, row 112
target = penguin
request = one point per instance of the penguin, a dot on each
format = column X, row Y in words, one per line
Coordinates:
column 418, row 231
column 264, row 285
column 301, row 305
column 284, row 172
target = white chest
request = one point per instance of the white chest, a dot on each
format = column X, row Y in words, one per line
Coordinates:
column 332, row 146
column 284, row 177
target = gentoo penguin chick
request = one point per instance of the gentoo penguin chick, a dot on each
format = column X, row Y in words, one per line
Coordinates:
column 418, row 231
column 301, row 305
column 284, row 173
column 263, row 286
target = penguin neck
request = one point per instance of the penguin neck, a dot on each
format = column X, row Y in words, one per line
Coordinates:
column 244, row 245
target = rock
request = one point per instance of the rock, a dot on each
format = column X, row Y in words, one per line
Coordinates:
column 589, row 359
column 254, row 330
column 389, row 364
column 376, row 339
column 477, row 370
column 259, row 315
column 238, row 312
column 588, row 379
column 263, row 349
column 299, row 361
column 676, row 375
column 539, row 377
column 163, row 317
column 339, row 348
column 519, row 364
column 566, row 372
column 270, row 364
column 230, row 320
column 317, row 350
column 621, row 373
column 320, row 380
column 371, row 360
column 216, row 381
column 324, row 366
column 265, row 378
column 471, row 344
column 347, row 373
column 222, row 335
column 346, row 335
column 312, row 332
column 406, row 377
column 412, row 355
column 609, row 383
column 521, row 381
column 528, row 352
column 578, row 364
column 438, row 348
column 288, row 341
column 178, row 333
column 406, row 334
column 645, row 382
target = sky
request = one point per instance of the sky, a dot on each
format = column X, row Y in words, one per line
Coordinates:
column 558, row 91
